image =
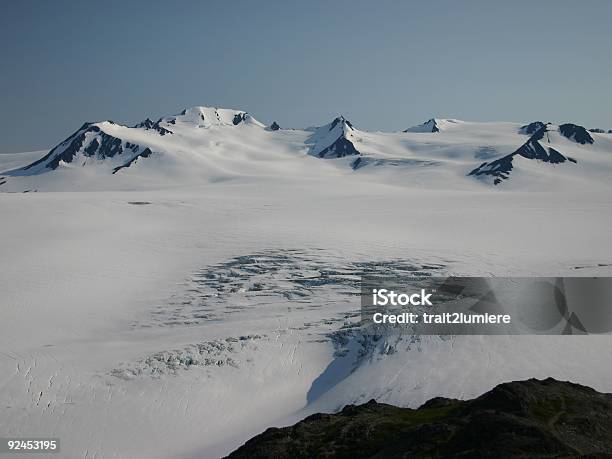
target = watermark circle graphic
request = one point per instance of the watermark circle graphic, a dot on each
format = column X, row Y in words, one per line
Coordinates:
column 589, row 303
column 541, row 305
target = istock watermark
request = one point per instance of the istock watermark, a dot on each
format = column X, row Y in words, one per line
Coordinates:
column 384, row 297
column 488, row 306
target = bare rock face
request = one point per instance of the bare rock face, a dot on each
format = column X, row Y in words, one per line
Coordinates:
column 501, row 169
column 533, row 418
column 576, row 133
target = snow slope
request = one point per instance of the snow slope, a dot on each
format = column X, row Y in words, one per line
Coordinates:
column 9, row 161
column 185, row 303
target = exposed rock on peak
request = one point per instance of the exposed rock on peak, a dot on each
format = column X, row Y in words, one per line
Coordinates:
column 433, row 125
column 576, row 133
column 145, row 153
column 90, row 140
column 430, row 125
column 107, row 139
column 212, row 116
column 340, row 120
column 532, row 128
column 334, row 140
column 238, row 118
column 274, row 126
column 149, row 124
column 340, row 148
column 501, row 168
column 146, row 124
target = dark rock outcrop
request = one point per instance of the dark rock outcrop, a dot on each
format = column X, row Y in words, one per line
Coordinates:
column 334, row 140
column 339, row 149
column 533, row 418
column 149, row 124
column 576, row 133
column 340, row 120
column 274, row 126
column 430, row 125
column 143, row 154
column 532, row 149
column 101, row 146
column 531, row 128
column 239, row 118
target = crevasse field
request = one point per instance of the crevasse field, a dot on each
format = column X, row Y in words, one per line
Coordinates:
column 207, row 290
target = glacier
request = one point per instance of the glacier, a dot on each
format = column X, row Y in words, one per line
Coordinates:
column 210, row 289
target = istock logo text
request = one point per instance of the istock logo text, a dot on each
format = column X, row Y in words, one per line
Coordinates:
column 384, row 297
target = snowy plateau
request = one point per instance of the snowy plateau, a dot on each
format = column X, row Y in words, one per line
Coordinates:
column 173, row 288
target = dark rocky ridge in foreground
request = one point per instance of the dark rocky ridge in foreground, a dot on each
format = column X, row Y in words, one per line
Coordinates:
column 533, row 418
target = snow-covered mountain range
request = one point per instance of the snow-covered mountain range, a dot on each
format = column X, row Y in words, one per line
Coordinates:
column 205, row 144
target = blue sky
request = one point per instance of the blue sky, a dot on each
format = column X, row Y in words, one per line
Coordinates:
column 384, row 65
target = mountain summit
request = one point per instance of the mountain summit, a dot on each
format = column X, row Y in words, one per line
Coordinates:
column 108, row 140
column 211, row 116
column 433, row 125
column 334, row 140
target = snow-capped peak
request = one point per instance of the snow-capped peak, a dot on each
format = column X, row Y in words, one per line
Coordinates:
column 334, row 140
column 211, row 116
column 532, row 128
column 342, row 122
column 433, row 125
